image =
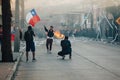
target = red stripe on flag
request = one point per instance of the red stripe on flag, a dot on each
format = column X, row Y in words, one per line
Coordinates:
column 34, row 20
column 31, row 22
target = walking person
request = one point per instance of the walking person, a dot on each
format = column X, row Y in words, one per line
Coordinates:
column 66, row 48
column 49, row 40
column 1, row 34
column 30, row 45
column 21, row 35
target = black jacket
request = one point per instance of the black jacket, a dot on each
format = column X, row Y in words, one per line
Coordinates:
column 28, row 36
column 66, row 46
column 50, row 32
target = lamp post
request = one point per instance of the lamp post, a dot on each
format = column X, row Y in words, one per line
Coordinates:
column 17, row 39
column 22, row 13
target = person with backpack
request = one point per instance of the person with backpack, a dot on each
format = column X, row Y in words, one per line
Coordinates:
column 49, row 40
column 30, row 45
column 66, row 48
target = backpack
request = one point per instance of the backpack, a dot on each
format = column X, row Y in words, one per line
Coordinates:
column 28, row 36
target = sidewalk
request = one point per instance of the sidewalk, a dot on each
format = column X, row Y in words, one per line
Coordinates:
column 7, row 70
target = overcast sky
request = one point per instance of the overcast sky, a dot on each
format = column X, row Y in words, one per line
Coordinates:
column 45, row 7
column 50, row 3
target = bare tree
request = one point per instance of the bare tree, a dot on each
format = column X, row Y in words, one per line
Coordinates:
column 6, row 49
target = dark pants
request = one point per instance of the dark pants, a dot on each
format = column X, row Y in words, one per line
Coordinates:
column 30, row 46
column 60, row 53
column 49, row 44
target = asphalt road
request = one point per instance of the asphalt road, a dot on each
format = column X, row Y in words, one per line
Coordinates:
column 90, row 61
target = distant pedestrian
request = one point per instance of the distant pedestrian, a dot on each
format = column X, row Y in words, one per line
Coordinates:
column 66, row 48
column 28, row 36
column 20, row 31
column 1, row 33
column 49, row 40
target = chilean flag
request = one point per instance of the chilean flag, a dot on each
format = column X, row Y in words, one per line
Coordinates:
column 32, row 18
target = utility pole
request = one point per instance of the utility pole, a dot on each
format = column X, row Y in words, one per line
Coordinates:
column 22, row 13
column 22, row 19
column 17, row 38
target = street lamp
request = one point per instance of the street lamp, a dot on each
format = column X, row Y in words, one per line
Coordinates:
column 17, row 39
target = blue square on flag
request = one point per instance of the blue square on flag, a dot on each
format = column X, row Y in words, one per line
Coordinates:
column 33, row 12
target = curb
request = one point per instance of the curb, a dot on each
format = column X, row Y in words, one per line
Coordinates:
column 14, row 69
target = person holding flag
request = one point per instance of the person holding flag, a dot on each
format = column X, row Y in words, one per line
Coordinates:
column 30, row 45
column 32, row 18
column 49, row 41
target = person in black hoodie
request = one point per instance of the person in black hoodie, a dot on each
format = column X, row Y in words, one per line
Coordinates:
column 30, row 45
column 66, row 48
column 49, row 41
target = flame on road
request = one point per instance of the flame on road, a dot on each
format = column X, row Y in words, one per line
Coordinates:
column 58, row 35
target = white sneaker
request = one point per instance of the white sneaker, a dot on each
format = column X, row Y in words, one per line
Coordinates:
column 48, row 50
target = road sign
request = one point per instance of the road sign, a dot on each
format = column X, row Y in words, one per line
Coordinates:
column 118, row 20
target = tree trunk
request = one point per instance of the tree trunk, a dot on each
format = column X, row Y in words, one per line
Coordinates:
column 6, row 41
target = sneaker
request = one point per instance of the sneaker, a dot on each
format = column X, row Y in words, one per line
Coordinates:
column 48, row 50
column 26, row 60
column 69, row 57
column 63, row 57
column 33, row 59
